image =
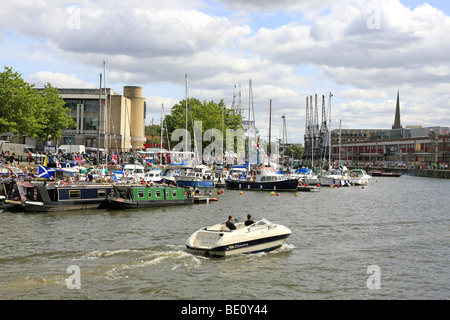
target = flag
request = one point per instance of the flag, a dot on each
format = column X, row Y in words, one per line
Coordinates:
column 58, row 165
column 46, row 161
column 148, row 162
column 45, row 172
column 114, row 158
column 79, row 160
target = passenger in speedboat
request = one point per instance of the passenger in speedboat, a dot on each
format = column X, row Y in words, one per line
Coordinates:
column 230, row 225
column 249, row 220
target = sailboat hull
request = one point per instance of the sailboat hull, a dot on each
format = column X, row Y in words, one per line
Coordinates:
column 283, row 185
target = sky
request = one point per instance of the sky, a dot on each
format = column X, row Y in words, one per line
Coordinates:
column 363, row 52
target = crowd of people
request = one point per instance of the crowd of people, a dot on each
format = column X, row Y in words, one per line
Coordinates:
column 401, row 165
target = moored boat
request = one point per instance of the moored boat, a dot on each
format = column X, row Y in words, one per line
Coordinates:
column 360, row 177
column 262, row 178
column 197, row 177
column 23, row 196
column 334, row 177
column 305, row 176
column 381, row 173
column 219, row 241
column 144, row 196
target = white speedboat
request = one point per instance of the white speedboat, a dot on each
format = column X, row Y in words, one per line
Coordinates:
column 153, row 175
column 335, row 177
column 360, row 177
column 219, row 241
column 305, row 175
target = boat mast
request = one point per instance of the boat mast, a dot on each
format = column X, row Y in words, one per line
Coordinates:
column 99, row 113
column 340, row 135
column 270, row 126
column 162, row 117
column 329, row 132
column 105, row 113
column 187, row 97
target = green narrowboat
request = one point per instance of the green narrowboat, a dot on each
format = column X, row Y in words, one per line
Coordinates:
column 142, row 196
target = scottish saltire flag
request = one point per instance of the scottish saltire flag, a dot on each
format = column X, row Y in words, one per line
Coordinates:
column 79, row 160
column 45, row 172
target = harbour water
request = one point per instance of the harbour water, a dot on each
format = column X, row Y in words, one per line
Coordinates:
column 399, row 226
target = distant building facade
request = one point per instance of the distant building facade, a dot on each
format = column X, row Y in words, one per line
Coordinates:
column 430, row 144
column 412, row 143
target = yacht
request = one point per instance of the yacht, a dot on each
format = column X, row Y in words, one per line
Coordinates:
column 153, row 175
column 360, row 177
column 219, row 241
column 262, row 178
column 305, row 176
column 335, row 177
column 198, row 177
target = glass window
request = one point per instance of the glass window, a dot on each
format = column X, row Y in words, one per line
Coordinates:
column 74, row 194
column 91, row 105
column 158, row 193
column 102, row 193
column 140, row 193
column 90, row 122
column 174, row 193
column 149, row 193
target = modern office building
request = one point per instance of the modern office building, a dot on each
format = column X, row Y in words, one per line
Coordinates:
column 118, row 127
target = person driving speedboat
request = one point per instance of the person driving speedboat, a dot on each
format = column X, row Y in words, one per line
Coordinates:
column 249, row 220
column 230, row 225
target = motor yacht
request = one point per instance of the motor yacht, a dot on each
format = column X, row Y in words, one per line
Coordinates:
column 360, row 177
column 262, row 178
column 219, row 241
column 305, row 175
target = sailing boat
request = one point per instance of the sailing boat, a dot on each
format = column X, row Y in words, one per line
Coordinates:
column 263, row 178
column 197, row 176
column 335, row 176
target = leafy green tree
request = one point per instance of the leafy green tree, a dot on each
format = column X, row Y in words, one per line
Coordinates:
column 52, row 116
column 18, row 103
column 212, row 115
column 294, row 151
column 27, row 111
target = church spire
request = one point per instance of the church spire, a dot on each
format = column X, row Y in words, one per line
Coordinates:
column 397, row 123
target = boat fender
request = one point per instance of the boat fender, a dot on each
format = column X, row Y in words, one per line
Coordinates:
column 67, row 165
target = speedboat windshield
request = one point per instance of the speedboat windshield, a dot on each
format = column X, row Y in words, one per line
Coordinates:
column 259, row 223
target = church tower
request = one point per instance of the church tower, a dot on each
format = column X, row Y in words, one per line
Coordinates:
column 397, row 123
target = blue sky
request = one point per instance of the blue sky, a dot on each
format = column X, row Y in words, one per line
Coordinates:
column 361, row 51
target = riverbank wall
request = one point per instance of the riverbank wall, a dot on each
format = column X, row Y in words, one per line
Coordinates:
column 428, row 173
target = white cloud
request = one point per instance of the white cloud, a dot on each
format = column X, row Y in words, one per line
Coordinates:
column 362, row 51
column 58, row 80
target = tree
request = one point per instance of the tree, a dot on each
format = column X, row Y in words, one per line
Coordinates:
column 18, row 103
column 27, row 111
column 52, row 116
column 294, row 151
column 208, row 112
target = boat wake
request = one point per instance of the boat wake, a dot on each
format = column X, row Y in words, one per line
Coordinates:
column 120, row 263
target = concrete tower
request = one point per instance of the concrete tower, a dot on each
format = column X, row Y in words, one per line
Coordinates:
column 137, row 115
